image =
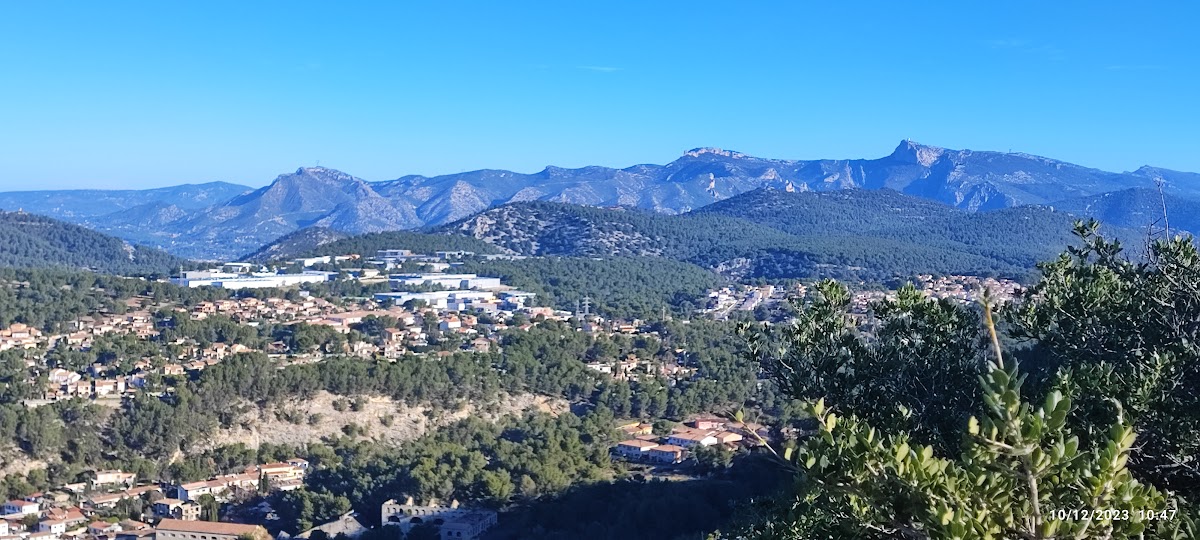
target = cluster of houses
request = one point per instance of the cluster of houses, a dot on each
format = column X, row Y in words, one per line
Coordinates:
column 632, row 367
column 20, row 336
column 282, row 476
column 721, row 302
column 74, row 511
column 963, row 289
column 83, row 331
column 410, row 332
column 968, row 288
column 644, row 446
column 252, row 309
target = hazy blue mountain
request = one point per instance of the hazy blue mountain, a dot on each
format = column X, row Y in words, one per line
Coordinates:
column 1138, row 209
column 965, row 179
column 74, row 204
column 313, row 196
column 214, row 226
column 1185, row 184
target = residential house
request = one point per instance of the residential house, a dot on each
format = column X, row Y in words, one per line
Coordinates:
column 689, row 438
column 481, row 344
column 131, row 525
column 280, row 471
column 635, row 449
column 728, row 437
column 707, row 423
column 71, row 516
column 667, row 453
column 637, row 428
column 108, row 500
column 61, row 376
column 102, row 528
column 113, row 477
column 177, row 509
column 193, row 490
column 53, row 526
column 24, row 508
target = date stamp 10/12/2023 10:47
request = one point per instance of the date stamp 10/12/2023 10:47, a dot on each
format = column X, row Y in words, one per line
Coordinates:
column 1086, row 514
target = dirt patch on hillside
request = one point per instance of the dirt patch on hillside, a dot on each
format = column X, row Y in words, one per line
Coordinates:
column 380, row 418
column 14, row 461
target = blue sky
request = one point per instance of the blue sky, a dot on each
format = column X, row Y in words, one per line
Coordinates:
column 122, row 94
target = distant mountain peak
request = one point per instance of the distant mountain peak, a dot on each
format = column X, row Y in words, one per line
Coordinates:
column 323, row 173
column 697, row 152
column 915, row 152
column 1149, row 171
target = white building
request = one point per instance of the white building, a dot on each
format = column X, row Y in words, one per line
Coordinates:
column 249, row 281
column 452, row 300
column 53, row 526
column 24, row 508
column 690, row 438
column 635, row 449
column 448, row 281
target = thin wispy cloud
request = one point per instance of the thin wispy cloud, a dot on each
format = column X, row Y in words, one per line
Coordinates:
column 1007, row 43
column 1135, row 67
column 600, row 69
column 1048, row 51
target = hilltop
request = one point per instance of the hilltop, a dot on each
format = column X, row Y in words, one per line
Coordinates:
column 316, row 241
column 32, row 241
column 859, row 234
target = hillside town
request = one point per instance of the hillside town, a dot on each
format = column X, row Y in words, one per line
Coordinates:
column 172, row 511
column 473, row 310
column 425, row 309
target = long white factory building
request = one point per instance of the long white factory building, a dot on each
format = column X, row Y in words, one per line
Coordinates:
column 256, row 280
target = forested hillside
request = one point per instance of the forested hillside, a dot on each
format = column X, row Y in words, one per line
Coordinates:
column 851, row 234
column 1139, row 209
column 1019, row 236
column 31, row 241
column 323, row 241
column 628, row 287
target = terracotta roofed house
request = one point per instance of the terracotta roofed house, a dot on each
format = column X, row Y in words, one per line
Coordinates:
column 667, row 453
column 690, row 438
column 635, row 449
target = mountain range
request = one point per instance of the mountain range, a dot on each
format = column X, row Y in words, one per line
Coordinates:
column 221, row 220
